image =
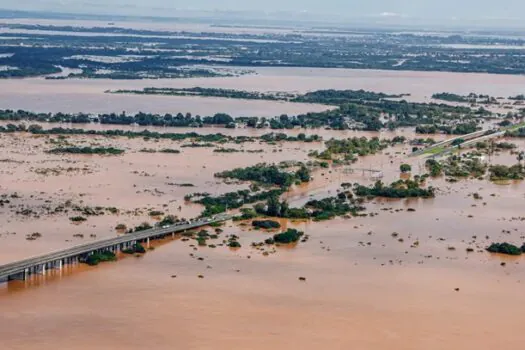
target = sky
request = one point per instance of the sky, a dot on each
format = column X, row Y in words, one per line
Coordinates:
column 450, row 10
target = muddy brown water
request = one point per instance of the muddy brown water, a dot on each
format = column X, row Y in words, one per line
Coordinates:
column 86, row 95
column 364, row 288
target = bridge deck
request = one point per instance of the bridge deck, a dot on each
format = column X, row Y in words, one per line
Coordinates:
column 21, row 265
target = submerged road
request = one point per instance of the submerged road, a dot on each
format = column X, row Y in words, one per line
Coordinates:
column 23, row 268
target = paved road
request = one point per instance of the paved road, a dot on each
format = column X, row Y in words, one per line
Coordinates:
column 19, row 266
column 447, row 142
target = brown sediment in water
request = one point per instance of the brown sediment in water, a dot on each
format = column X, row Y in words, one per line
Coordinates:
column 85, row 95
column 364, row 288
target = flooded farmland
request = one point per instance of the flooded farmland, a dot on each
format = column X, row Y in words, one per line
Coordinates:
column 84, row 95
column 359, row 277
column 402, row 274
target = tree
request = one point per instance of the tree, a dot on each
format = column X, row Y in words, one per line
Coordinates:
column 273, row 206
column 458, row 142
column 405, row 168
column 521, row 156
column 285, row 208
column 303, row 174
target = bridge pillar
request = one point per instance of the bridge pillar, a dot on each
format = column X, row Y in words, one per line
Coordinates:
column 147, row 243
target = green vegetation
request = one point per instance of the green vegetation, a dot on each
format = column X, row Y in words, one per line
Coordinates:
column 518, row 132
column 87, row 150
column 503, row 172
column 100, row 54
column 206, row 92
column 331, row 207
column 96, row 258
column 77, row 219
column 169, row 150
column 142, row 227
column 464, row 165
column 470, row 165
column 233, row 242
column 398, row 189
column 289, row 236
column 318, row 210
column 246, row 214
column 350, row 148
column 445, row 96
column 355, row 110
column 226, row 150
column 281, row 137
column 500, row 146
column 505, row 248
column 405, row 168
column 266, row 224
column 269, row 175
column 168, row 220
column 457, row 129
column 233, row 200
column 434, row 167
column 198, row 145
column 135, row 249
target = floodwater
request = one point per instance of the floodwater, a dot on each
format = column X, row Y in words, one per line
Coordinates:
column 396, row 280
column 364, row 288
column 85, row 95
column 80, row 95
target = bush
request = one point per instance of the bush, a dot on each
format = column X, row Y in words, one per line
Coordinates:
column 137, row 248
column 96, row 258
column 405, row 168
column 234, row 244
column 289, row 236
column 266, row 224
column 143, row 227
column 504, row 248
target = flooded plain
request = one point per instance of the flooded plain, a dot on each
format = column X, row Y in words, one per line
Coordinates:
column 400, row 278
column 365, row 287
column 88, row 95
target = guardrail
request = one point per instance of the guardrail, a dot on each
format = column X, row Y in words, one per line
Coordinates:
column 58, row 258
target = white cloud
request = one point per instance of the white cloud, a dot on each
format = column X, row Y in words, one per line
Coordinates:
column 389, row 14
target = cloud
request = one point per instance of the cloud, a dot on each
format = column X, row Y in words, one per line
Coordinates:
column 389, row 14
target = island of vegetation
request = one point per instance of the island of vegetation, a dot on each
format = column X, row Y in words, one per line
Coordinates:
column 506, row 248
column 87, row 150
column 96, row 258
column 361, row 110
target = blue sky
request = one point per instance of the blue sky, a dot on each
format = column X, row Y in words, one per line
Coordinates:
column 435, row 9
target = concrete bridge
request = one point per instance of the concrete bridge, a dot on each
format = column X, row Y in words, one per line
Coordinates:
column 448, row 142
column 21, row 270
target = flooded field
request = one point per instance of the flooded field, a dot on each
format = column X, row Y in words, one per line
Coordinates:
column 74, row 96
column 84, row 95
column 364, row 286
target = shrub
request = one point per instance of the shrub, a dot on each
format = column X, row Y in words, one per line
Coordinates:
column 137, row 248
column 289, row 236
column 266, row 224
column 504, row 248
column 96, row 258
column 405, row 168
column 234, row 244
